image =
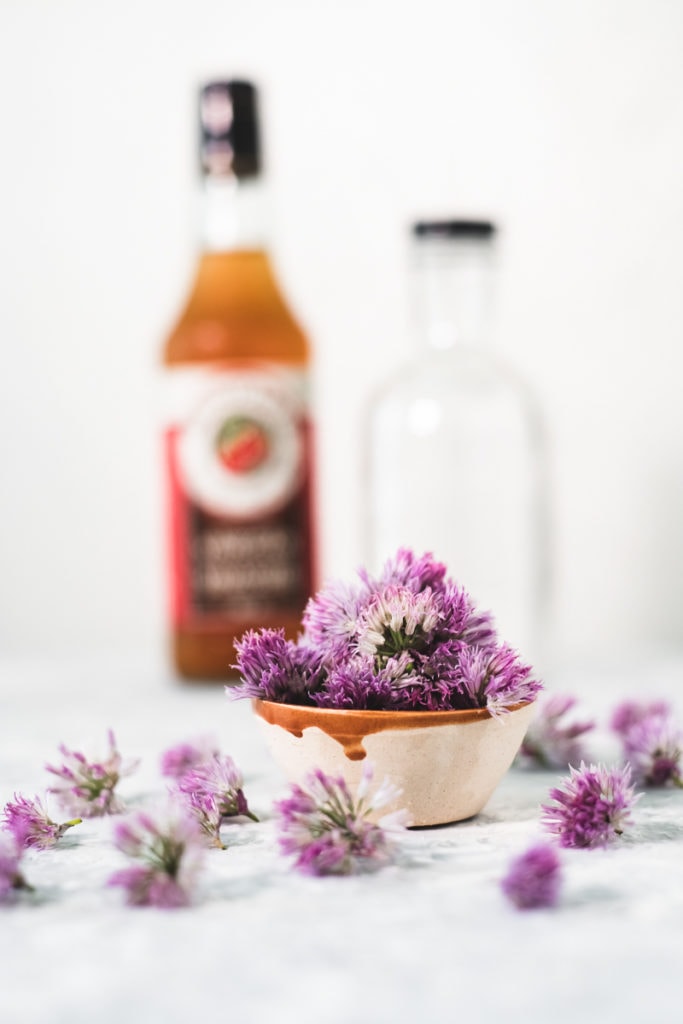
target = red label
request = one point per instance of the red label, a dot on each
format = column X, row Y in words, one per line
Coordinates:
column 239, row 505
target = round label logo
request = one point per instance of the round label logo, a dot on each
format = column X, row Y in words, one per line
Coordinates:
column 240, row 453
column 242, row 444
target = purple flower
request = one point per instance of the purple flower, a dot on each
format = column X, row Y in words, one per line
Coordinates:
column 550, row 742
column 87, row 788
column 591, row 807
column 405, row 569
column 534, row 878
column 179, row 759
column 409, row 640
column 418, row 686
column 328, row 832
column 206, row 811
column 214, row 793
column 654, row 748
column 356, row 685
column 273, row 668
column 149, row 887
column 465, row 622
column 395, row 620
column 169, row 846
column 329, row 620
column 651, row 741
column 631, row 712
column 30, row 824
column 494, row 678
column 11, row 877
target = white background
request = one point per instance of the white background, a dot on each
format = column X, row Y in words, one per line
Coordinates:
column 564, row 121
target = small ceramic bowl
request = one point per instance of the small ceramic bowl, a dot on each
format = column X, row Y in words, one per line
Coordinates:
column 446, row 763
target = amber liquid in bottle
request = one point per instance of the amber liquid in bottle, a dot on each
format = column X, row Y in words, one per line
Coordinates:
column 239, row 453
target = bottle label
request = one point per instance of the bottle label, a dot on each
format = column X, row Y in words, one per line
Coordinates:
column 238, row 456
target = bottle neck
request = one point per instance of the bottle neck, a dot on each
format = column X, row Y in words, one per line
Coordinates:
column 454, row 281
column 234, row 215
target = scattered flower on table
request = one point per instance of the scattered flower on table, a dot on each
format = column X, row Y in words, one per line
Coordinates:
column 168, row 844
column 11, row 878
column 651, row 741
column 207, row 813
column 410, row 639
column 654, row 749
column 534, row 878
column 87, row 789
column 178, row 760
column 631, row 712
column 30, row 824
column 214, row 793
column 328, row 831
column 591, row 806
column 551, row 741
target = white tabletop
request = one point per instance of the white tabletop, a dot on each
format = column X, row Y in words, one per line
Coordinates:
column 429, row 938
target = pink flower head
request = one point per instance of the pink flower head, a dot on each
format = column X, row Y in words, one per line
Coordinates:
column 550, row 741
column 328, row 832
column 355, row 684
column 11, row 877
column 221, row 779
column 178, row 760
column 591, row 807
column 205, row 809
column 87, row 788
column 495, row 677
column 330, row 617
column 170, row 848
column 406, row 569
column 631, row 712
column 274, row 668
column 654, row 749
column 214, row 792
column 396, row 619
column 30, row 824
column 464, row 621
column 534, row 878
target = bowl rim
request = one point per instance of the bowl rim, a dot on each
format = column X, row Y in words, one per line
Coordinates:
column 293, row 716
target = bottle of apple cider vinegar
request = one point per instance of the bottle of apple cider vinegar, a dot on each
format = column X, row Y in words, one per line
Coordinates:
column 238, row 431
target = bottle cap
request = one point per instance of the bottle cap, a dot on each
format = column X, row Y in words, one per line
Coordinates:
column 229, row 131
column 455, row 228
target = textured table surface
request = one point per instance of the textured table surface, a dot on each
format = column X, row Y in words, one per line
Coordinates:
column 429, row 938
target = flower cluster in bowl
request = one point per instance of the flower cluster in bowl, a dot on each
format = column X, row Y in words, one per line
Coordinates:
column 411, row 639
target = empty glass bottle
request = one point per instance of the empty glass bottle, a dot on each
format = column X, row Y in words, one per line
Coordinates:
column 455, row 460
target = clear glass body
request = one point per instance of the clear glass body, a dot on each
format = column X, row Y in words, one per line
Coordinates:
column 456, row 462
column 235, row 314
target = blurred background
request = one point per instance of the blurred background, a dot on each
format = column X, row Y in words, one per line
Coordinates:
column 564, row 122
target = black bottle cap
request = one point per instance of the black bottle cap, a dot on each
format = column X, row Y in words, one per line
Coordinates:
column 229, row 130
column 456, row 228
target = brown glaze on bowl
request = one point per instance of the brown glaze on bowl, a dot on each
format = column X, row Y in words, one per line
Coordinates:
column 349, row 728
column 445, row 763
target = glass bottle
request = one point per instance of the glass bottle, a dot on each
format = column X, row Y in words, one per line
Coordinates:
column 455, row 460
column 238, row 431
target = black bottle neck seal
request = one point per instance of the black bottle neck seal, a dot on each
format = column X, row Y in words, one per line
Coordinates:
column 229, row 143
column 455, row 228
